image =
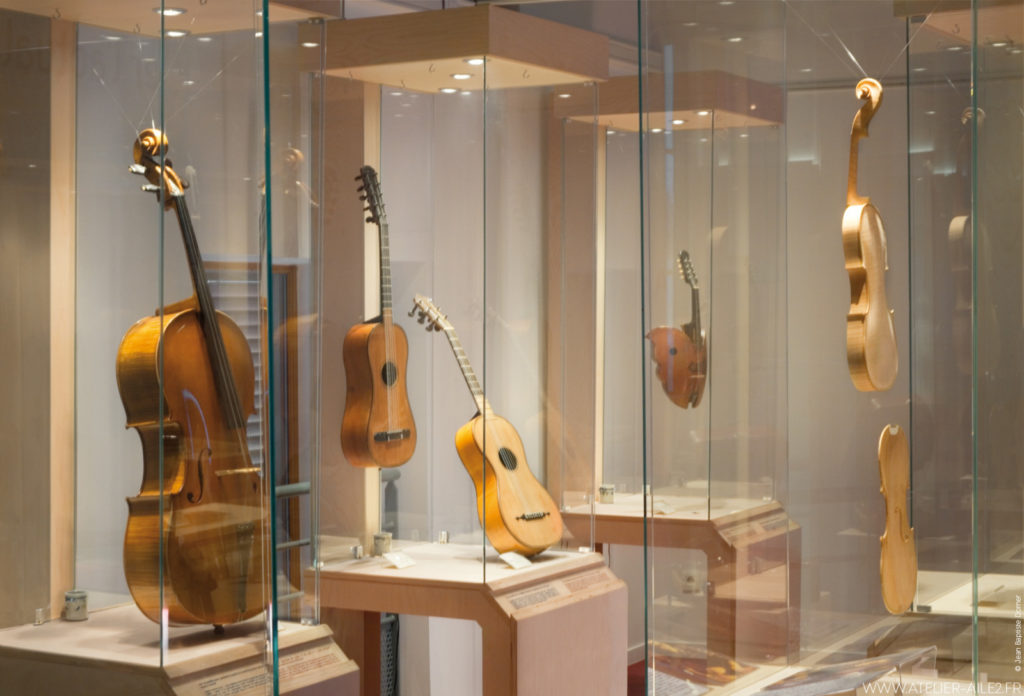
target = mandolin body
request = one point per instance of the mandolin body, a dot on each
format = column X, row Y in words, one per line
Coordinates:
column 516, row 512
column 206, row 544
column 870, row 332
column 898, row 563
column 680, row 365
column 376, row 400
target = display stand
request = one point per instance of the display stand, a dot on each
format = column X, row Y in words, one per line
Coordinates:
column 528, row 617
column 753, row 552
column 117, row 651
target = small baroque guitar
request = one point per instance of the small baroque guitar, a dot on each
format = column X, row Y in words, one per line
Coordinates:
column 870, row 332
column 377, row 428
column 681, row 356
column 516, row 512
column 187, row 382
column 898, row 563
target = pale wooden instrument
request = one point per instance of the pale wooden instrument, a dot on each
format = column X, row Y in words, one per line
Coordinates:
column 516, row 512
column 870, row 332
column 898, row 563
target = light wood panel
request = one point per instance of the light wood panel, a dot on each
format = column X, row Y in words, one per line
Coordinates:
column 702, row 100
column 131, row 16
column 422, row 50
column 63, row 83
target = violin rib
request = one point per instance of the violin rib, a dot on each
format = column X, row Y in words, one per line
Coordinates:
column 898, row 562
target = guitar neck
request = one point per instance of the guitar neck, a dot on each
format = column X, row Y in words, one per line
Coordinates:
column 208, row 318
column 385, row 272
column 472, row 382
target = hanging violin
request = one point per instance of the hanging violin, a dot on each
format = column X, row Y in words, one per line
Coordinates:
column 870, row 332
column 186, row 380
column 681, row 355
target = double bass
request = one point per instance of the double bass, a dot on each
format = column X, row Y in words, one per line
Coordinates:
column 186, row 379
column 870, row 332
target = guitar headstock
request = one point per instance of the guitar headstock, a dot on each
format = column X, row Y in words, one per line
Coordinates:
column 370, row 193
column 686, row 269
column 429, row 314
column 149, row 152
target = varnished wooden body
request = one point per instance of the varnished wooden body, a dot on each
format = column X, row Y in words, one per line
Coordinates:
column 898, row 563
column 504, row 496
column 371, row 405
column 871, row 350
column 681, row 366
column 211, row 532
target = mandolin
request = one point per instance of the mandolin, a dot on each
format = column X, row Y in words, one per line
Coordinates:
column 517, row 513
column 377, row 427
column 681, row 356
column 194, row 542
column 870, row 333
column 898, row 564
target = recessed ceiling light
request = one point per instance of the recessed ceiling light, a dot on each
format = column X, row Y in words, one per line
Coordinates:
column 170, row 11
column 954, row 48
column 678, row 122
column 918, row 69
column 188, row 83
column 474, row 61
column 689, row 24
column 703, row 113
column 734, row 39
column 725, row 2
column 611, row 132
column 703, row 140
column 175, row 33
column 395, row 94
column 753, row 107
column 309, row 44
column 999, row 44
column 657, row 130
column 744, row 135
column 929, row 113
column 149, row 60
column 1017, row 50
column 465, row 92
column 449, row 90
column 31, row 166
column 461, row 76
column 259, row 34
column 806, row 70
column 205, row 39
column 564, row 95
column 111, row 37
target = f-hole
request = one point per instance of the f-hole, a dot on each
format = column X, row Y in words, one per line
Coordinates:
column 389, row 373
column 508, row 458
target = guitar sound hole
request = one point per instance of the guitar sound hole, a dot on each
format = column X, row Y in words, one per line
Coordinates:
column 508, row 459
column 673, row 351
column 389, row 373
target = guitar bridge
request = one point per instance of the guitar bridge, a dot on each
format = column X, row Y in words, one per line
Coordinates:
column 526, row 517
column 391, row 435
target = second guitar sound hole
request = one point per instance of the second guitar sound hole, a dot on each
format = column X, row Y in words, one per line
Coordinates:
column 508, row 459
column 389, row 373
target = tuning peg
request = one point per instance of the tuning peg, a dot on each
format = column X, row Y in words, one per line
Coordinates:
column 363, row 197
column 137, row 169
column 361, row 188
column 412, row 311
column 358, row 177
column 150, row 188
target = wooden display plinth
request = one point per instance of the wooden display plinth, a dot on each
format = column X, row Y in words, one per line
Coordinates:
column 117, row 651
column 753, row 561
column 557, row 627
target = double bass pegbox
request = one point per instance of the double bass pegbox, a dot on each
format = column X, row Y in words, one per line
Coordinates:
column 150, row 146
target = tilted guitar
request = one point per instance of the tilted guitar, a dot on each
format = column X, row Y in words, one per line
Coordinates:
column 898, row 562
column 194, row 543
column 870, row 333
column 377, row 428
column 516, row 512
column 681, row 356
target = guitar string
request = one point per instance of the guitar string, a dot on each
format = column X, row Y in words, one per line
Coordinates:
column 386, row 315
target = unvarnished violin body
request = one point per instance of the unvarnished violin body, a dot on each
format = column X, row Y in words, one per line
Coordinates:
column 898, row 563
column 187, row 382
column 871, row 350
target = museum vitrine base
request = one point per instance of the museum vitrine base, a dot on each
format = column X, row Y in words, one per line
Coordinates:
column 556, row 627
column 117, row 651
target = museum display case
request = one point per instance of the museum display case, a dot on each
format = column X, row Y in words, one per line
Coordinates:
column 490, row 347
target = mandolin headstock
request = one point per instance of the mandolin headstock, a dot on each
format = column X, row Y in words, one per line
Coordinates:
column 370, row 193
column 149, row 152
column 429, row 314
column 686, row 269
